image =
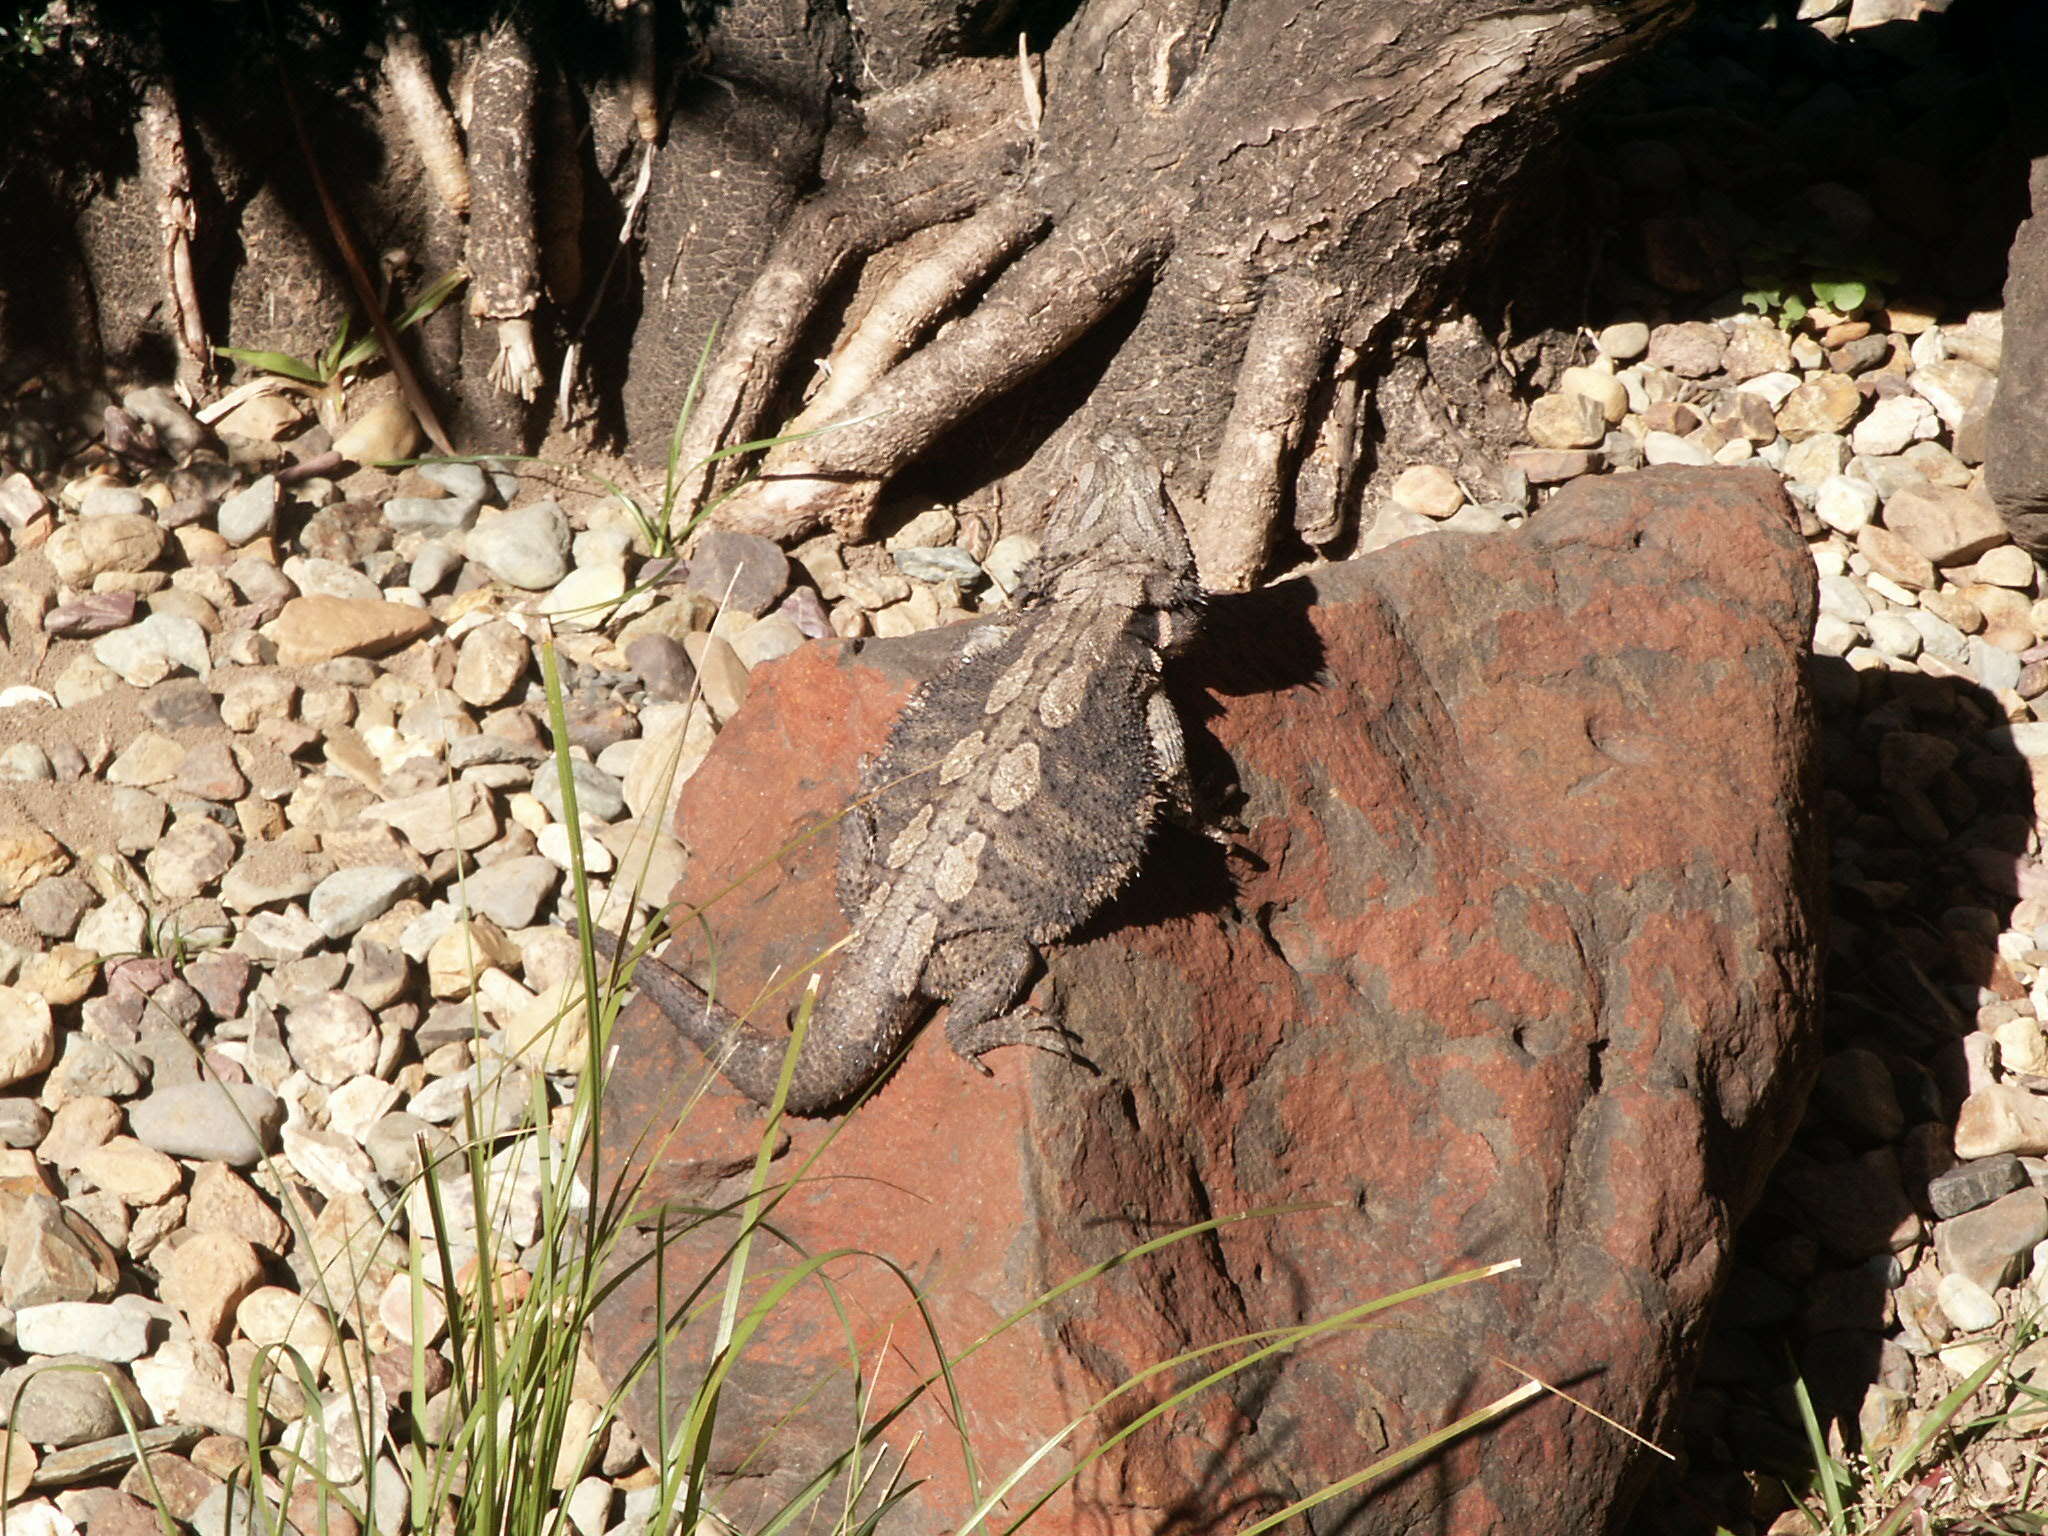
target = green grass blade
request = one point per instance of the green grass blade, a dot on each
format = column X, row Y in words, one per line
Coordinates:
column 280, row 363
column 1825, row 1467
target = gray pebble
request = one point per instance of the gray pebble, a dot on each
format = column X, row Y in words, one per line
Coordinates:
column 428, row 514
column 513, row 892
column 473, row 751
column 250, row 513
column 394, row 1145
column 60, row 1406
column 432, row 566
column 224, row 1122
column 178, row 431
column 1844, row 597
column 26, row 763
column 1974, row 1184
column 664, row 666
column 1940, row 638
column 527, row 547
column 1994, row 665
column 349, row 898
column 108, row 500
column 462, row 482
column 599, row 796
column 23, row 1122
column 145, row 653
column 55, row 906
column 1893, row 634
column 742, row 571
column 944, row 562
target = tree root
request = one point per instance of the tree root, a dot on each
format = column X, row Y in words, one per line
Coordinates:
column 1048, row 300
column 428, row 122
column 815, row 249
column 160, row 144
column 1232, row 529
column 504, row 254
column 1323, row 483
column 909, row 308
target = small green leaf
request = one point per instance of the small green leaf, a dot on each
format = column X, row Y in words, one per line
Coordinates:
column 1844, row 295
column 436, row 295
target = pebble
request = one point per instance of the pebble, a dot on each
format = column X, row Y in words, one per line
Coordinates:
column 250, row 513
column 233, row 1123
column 1824, row 405
column 146, row 653
column 82, row 551
column 1624, row 341
column 2002, row 1117
column 94, row 1330
column 1844, row 504
column 55, row 1405
column 742, row 572
column 349, row 898
column 1893, row 425
column 599, row 796
column 28, row 1036
column 1566, row 421
column 1967, row 1304
column 314, row 629
column 586, row 597
column 765, row 640
column 513, row 893
column 1892, row 557
column 1667, row 448
column 1985, row 1245
column 527, row 547
column 1432, row 490
column 492, row 660
column 1691, row 349
column 1954, row 388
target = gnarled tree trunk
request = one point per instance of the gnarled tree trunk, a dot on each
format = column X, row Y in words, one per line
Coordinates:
column 1240, row 227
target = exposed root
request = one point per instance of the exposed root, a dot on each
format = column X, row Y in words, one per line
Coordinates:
column 640, row 83
column 813, row 251
column 160, row 141
column 410, row 74
column 571, row 409
column 516, row 368
column 504, row 256
column 1232, row 529
column 908, row 309
column 1052, row 297
column 1322, row 484
column 559, row 195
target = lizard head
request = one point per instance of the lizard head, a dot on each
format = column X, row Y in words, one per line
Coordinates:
column 1113, row 537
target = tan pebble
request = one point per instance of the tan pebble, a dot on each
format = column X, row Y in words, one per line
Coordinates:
column 140, row 1175
column 1429, row 489
column 1566, row 421
column 1598, row 385
column 1891, row 556
column 2006, row 566
column 18, row 1464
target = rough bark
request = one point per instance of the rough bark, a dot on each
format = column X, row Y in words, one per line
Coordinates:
column 1223, row 226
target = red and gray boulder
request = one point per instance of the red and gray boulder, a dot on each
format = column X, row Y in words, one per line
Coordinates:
column 1516, row 960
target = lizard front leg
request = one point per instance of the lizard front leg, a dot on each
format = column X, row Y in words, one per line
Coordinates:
column 982, row 975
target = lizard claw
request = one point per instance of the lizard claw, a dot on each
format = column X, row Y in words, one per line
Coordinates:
column 1024, row 1027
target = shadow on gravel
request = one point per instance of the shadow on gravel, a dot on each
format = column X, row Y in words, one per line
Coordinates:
column 1751, row 157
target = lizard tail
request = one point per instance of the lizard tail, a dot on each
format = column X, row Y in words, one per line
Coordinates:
column 749, row 1059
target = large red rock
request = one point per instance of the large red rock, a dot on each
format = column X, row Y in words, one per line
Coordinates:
column 1518, row 962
